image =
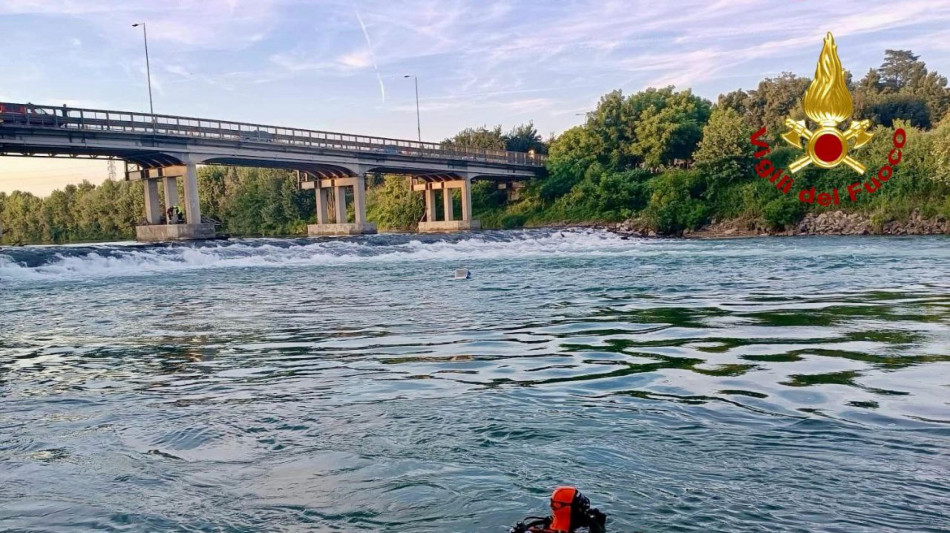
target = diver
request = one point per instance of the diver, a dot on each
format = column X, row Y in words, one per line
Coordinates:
column 570, row 512
column 174, row 215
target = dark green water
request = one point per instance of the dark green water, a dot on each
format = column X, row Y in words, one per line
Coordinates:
column 351, row 385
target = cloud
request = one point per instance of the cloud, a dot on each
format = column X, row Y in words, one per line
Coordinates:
column 357, row 59
column 206, row 24
column 369, row 56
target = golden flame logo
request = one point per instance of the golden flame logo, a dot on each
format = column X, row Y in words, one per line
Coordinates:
column 828, row 103
column 827, row 100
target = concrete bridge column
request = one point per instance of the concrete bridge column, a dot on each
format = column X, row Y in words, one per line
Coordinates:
column 431, row 225
column 171, row 193
column 467, row 199
column 340, row 226
column 152, row 209
column 322, row 206
column 430, row 204
column 448, row 207
column 153, row 231
column 359, row 200
column 339, row 204
column 192, row 206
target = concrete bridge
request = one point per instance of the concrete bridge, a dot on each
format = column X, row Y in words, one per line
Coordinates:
column 161, row 149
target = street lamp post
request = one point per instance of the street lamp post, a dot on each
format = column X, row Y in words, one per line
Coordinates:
column 148, row 68
column 418, row 120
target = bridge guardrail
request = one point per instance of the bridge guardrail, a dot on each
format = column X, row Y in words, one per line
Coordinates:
column 143, row 123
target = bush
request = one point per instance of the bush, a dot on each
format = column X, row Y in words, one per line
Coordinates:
column 394, row 206
column 674, row 203
column 510, row 221
column 782, row 212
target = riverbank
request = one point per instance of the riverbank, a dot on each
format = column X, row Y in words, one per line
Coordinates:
column 827, row 223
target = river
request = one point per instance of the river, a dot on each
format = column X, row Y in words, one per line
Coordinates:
column 759, row 385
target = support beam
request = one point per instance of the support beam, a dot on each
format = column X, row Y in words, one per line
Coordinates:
column 447, row 204
column 192, row 206
column 152, row 231
column 467, row 199
column 340, row 226
column 430, row 205
column 359, row 200
column 171, row 193
column 463, row 182
column 339, row 204
column 322, row 201
column 152, row 209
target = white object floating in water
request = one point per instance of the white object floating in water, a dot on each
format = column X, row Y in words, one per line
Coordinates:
column 462, row 273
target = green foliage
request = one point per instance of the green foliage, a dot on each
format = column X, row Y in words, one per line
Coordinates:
column 675, row 203
column 902, row 88
column 940, row 151
column 487, row 195
column 782, row 212
column 724, row 155
column 669, row 127
column 259, row 201
column 603, row 196
column 525, row 138
column 570, row 156
column 887, row 108
column 480, row 138
column 774, row 100
column 75, row 214
column 394, row 206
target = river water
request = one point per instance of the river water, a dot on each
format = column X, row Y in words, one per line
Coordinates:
column 352, row 385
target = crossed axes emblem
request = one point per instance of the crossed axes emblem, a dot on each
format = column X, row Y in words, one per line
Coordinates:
column 798, row 131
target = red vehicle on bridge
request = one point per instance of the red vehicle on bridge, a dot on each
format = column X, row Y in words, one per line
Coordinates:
column 27, row 114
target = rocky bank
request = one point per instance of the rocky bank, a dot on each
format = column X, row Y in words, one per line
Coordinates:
column 827, row 223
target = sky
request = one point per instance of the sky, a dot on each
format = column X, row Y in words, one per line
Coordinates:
column 339, row 65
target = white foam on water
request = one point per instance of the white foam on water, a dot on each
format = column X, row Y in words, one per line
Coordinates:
column 136, row 261
column 102, row 261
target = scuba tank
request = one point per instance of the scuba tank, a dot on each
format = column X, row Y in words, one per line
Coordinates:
column 570, row 511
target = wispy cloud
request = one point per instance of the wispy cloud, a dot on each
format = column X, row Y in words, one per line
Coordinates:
column 369, row 56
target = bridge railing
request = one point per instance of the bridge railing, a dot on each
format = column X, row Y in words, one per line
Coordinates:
column 143, row 123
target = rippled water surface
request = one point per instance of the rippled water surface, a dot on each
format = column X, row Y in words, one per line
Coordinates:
column 352, row 385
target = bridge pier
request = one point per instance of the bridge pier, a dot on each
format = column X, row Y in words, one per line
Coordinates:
column 154, row 230
column 153, row 212
column 340, row 225
column 429, row 185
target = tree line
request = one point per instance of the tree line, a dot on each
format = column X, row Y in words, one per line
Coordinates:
column 669, row 159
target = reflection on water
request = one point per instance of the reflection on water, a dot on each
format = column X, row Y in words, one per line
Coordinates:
column 754, row 385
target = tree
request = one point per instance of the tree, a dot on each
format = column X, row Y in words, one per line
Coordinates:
column 478, row 138
column 724, row 154
column 888, row 107
column 570, row 156
column 669, row 129
column 525, row 138
column 737, row 100
column 394, row 206
column 610, row 127
column 932, row 89
column 774, row 100
column 901, row 68
column 941, row 150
